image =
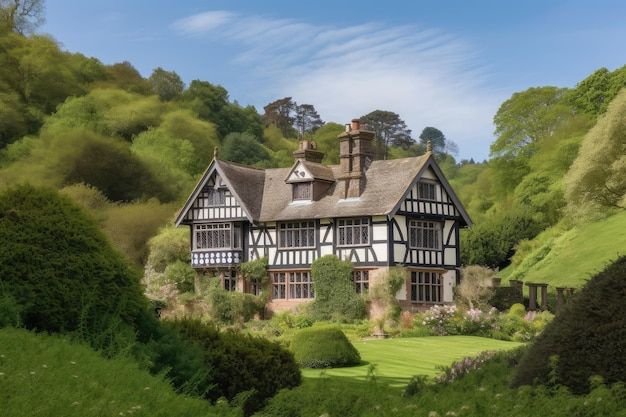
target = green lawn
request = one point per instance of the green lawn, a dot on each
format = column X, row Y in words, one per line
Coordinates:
column 397, row 360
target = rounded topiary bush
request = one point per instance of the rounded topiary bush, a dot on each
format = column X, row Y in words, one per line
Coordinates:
column 587, row 338
column 324, row 347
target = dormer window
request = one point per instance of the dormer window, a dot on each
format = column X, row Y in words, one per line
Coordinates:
column 301, row 191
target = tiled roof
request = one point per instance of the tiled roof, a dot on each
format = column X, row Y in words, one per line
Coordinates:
column 386, row 183
column 266, row 197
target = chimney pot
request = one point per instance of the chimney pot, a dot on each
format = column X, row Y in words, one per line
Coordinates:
column 355, row 124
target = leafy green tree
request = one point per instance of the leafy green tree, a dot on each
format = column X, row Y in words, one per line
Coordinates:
column 234, row 118
column 13, row 120
column 436, row 138
column 280, row 114
column 597, row 178
column 166, row 84
column 526, row 119
column 326, row 139
column 243, row 148
column 126, row 77
column 21, row 16
column 130, row 226
column 108, row 165
column 59, row 266
column 389, row 129
column 205, row 99
column 593, row 94
column 307, row 120
column 203, row 136
column 87, row 70
column 490, row 243
column 171, row 244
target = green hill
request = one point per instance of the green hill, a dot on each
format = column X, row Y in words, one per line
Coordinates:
column 569, row 258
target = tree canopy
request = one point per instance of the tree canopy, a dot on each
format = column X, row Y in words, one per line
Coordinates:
column 598, row 175
column 389, row 129
column 21, row 16
column 526, row 119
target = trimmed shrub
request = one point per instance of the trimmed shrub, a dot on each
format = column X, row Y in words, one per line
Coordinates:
column 242, row 364
column 587, row 338
column 324, row 347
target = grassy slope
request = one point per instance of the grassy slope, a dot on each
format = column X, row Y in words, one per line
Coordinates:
column 579, row 253
column 397, row 360
column 44, row 375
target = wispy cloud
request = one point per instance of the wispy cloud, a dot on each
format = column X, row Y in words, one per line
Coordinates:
column 428, row 77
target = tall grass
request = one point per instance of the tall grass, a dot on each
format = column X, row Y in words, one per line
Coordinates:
column 42, row 375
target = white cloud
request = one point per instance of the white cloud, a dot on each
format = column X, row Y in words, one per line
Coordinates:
column 428, row 77
column 202, row 23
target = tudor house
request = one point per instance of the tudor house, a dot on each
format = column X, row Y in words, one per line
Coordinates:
column 377, row 214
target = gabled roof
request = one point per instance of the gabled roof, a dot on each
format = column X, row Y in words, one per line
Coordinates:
column 315, row 170
column 266, row 196
column 243, row 181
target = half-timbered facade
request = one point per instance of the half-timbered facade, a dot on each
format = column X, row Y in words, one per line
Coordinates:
column 377, row 214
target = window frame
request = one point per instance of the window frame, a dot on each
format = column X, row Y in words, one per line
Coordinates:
column 361, row 229
column 228, row 232
column 427, row 190
column 216, row 197
column 301, row 285
column 279, row 286
column 301, row 191
column 361, row 280
column 292, row 285
column 294, row 232
column 425, row 234
column 229, row 280
column 426, row 287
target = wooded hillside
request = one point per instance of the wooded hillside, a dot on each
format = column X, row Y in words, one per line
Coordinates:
column 130, row 148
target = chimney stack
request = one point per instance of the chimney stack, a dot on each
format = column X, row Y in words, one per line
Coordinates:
column 307, row 151
column 355, row 157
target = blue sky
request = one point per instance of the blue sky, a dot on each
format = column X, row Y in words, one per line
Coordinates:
column 444, row 64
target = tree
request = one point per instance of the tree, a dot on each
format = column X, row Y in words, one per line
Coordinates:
column 126, row 77
column 597, row 178
column 307, row 120
column 243, row 148
column 389, row 129
column 475, row 287
column 279, row 113
column 526, row 119
column 593, row 94
column 166, row 84
column 21, row 16
column 234, row 118
column 205, row 99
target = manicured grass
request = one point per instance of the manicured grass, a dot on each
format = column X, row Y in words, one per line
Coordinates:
column 397, row 360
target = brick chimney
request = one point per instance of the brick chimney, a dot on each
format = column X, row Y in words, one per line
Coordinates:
column 307, row 151
column 355, row 157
